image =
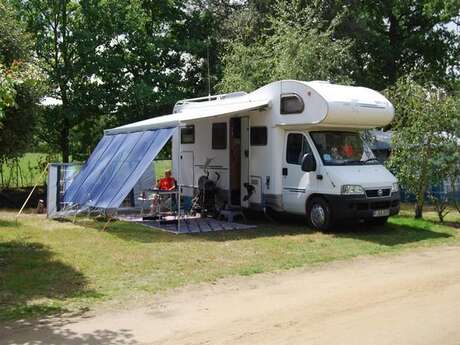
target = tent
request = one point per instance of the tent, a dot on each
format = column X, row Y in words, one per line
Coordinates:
column 124, row 153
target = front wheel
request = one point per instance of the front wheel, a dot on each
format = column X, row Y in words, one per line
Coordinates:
column 319, row 214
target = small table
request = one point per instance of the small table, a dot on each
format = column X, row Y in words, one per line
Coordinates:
column 155, row 192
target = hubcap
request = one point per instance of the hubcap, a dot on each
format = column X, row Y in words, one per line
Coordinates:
column 317, row 215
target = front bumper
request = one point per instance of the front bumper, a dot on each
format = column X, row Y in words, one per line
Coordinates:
column 353, row 207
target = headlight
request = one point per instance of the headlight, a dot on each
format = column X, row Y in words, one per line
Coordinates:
column 395, row 187
column 352, row 189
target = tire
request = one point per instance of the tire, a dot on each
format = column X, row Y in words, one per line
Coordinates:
column 378, row 221
column 319, row 214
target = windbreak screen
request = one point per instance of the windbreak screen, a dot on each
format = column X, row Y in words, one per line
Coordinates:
column 114, row 167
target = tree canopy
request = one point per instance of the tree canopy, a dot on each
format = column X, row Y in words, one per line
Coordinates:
column 425, row 146
column 20, row 85
column 293, row 46
column 112, row 62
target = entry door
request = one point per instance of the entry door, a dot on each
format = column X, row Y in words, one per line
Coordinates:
column 186, row 173
column 244, row 160
column 296, row 182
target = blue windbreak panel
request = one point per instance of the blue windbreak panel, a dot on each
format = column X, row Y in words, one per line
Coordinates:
column 87, row 168
column 132, row 168
column 84, row 195
column 112, row 168
column 108, row 177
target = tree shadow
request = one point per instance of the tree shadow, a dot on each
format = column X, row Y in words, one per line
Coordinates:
column 29, row 272
column 131, row 231
column 6, row 223
column 452, row 224
column 392, row 234
column 48, row 333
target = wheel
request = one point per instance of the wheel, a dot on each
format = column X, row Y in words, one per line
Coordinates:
column 378, row 221
column 319, row 214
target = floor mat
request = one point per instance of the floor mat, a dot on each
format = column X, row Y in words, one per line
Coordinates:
column 189, row 225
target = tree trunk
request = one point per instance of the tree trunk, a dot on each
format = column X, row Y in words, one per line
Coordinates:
column 393, row 36
column 418, row 211
column 65, row 144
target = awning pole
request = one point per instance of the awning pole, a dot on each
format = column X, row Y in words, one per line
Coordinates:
column 179, row 175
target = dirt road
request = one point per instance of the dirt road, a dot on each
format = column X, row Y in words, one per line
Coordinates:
column 409, row 299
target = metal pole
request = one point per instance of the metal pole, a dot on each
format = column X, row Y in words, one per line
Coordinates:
column 179, row 177
column 30, row 194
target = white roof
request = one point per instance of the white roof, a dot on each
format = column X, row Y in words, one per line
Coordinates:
column 194, row 111
column 335, row 93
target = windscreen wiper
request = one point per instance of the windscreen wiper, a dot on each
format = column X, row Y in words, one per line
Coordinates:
column 370, row 160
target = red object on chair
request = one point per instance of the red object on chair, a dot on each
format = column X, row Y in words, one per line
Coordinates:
column 167, row 183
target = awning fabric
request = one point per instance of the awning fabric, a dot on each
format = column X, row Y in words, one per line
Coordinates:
column 193, row 112
column 114, row 167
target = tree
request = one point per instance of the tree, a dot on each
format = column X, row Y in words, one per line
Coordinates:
column 397, row 38
column 294, row 46
column 391, row 38
column 424, row 144
column 111, row 62
column 20, row 86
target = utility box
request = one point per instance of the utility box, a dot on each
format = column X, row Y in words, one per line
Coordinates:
column 60, row 176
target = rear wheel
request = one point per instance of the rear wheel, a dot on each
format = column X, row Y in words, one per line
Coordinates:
column 319, row 214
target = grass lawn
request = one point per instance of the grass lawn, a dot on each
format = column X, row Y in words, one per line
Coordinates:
column 50, row 267
column 28, row 165
column 31, row 173
column 161, row 166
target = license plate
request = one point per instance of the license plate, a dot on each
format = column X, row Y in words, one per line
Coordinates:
column 381, row 213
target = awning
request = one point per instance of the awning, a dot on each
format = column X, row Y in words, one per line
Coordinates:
column 196, row 111
column 114, row 167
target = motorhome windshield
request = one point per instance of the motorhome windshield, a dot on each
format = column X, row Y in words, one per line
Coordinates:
column 343, row 148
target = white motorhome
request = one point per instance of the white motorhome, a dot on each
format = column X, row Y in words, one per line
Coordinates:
column 290, row 146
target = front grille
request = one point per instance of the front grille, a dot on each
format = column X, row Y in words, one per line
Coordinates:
column 374, row 193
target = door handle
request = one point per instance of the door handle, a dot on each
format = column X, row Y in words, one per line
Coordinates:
column 285, row 171
column 246, row 153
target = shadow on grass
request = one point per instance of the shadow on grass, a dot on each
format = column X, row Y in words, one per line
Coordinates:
column 403, row 230
column 28, row 271
column 130, row 231
column 452, row 224
column 58, row 334
column 6, row 223
column 400, row 231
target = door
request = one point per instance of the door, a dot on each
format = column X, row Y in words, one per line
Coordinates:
column 235, row 161
column 187, row 177
column 296, row 183
column 245, row 137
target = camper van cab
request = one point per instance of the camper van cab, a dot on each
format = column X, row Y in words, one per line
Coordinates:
column 290, row 146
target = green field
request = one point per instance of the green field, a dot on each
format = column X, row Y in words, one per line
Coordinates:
column 31, row 167
column 49, row 267
column 161, row 166
column 29, row 171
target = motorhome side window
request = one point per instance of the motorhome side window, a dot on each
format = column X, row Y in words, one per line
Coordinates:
column 296, row 147
column 291, row 104
column 187, row 134
column 219, row 136
column 258, row 136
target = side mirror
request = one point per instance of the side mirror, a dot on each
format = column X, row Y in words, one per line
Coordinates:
column 308, row 162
